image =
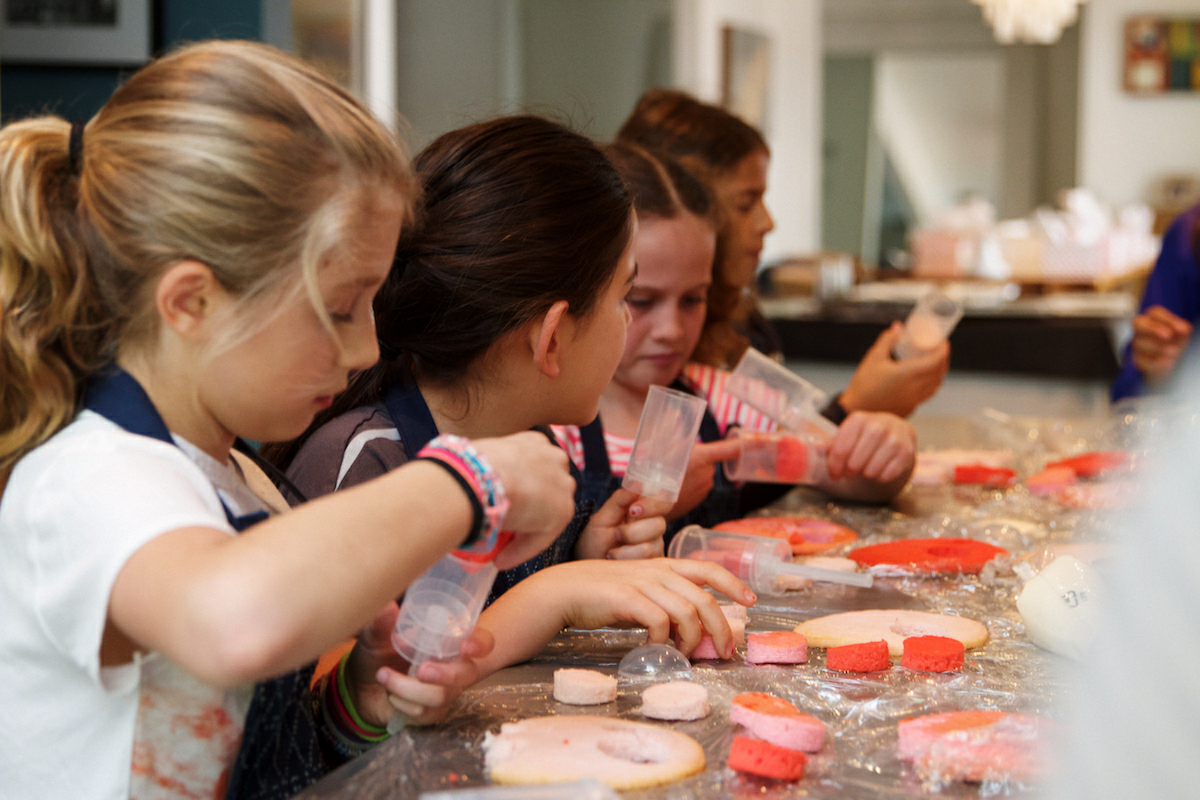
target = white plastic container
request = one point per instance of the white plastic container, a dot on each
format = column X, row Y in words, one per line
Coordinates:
column 441, row 607
column 779, row 457
column 439, row 612
column 780, row 394
column 928, row 324
column 762, row 562
column 666, row 435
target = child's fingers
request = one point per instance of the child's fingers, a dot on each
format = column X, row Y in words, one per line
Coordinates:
column 646, row 507
column 644, row 530
column 684, row 614
column 633, row 552
column 709, row 453
column 705, row 573
column 413, row 711
column 478, row 644
column 411, row 689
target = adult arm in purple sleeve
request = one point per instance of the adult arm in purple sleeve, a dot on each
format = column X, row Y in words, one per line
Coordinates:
column 1174, row 285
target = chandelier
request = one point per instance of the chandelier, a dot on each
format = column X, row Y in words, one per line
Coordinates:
column 1029, row 21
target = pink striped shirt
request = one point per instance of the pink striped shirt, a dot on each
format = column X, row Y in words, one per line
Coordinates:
column 704, row 381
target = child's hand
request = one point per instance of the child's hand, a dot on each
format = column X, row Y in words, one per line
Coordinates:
column 663, row 595
column 627, row 526
column 540, row 490
column 426, row 698
column 379, row 683
column 1159, row 337
column 698, row 480
column 879, row 447
column 881, row 383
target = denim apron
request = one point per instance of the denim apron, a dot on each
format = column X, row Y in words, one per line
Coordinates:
column 721, row 503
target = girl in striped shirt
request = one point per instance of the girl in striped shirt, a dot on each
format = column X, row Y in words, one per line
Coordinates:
column 872, row 453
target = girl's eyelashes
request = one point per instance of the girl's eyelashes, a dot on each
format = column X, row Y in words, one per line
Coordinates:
column 341, row 319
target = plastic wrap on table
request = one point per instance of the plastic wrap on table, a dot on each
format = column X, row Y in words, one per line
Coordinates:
column 861, row 712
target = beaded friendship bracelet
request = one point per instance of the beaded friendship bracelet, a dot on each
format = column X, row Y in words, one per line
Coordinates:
column 479, row 480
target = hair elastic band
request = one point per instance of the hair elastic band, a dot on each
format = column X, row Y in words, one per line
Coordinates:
column 75, row 147
column 386, row 351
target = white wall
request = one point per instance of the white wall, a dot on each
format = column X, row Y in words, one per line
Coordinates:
column 1128, row 141
column 794, row 116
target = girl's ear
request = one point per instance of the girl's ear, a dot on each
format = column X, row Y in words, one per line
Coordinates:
column 187, row 296
column 546, row 339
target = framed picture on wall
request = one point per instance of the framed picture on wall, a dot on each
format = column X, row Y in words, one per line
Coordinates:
column 1162, row 54
column 746, row 74
column 328, row 35
column 110, row 33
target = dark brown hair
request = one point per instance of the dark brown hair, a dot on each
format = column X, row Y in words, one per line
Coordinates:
column 517, row 213
column 659, row 185
column 710, row 141
column 679, row 124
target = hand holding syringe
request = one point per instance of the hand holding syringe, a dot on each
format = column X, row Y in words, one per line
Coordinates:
column 441, row 607
column 763, row 563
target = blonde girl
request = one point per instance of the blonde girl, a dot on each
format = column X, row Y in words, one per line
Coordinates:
column 194, row 265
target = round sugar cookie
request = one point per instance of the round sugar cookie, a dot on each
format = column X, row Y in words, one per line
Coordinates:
column 617, row 752
column 939, row 554
column 805, row 535
column 891, row 625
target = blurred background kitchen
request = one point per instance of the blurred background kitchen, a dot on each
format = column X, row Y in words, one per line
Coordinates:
column 910, row 145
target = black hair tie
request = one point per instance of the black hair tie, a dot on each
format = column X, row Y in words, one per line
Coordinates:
column 386, row 351
column 75, row 147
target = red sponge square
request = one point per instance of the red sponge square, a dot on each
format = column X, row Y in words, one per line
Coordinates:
column 932, row 653
column 864, row 657
column 765, row 759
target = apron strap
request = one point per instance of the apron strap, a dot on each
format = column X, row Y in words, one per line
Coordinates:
column 410, row 414
column 118, row 397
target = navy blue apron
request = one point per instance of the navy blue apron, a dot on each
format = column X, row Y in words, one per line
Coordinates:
column 119, row 398
column 280, row 754
column 722, row 502
column 410, row 414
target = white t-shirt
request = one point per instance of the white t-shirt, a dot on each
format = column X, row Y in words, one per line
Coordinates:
column 74, row 511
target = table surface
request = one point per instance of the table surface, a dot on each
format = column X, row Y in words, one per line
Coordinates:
column 860, row 712
column 1073, row 335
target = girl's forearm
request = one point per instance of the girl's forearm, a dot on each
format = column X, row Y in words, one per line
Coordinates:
column 233, row 609
column 523, row 621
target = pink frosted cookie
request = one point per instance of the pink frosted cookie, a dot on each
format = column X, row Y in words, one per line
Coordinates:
column 675, row 700
column 977, row 745
column 736, row 616
column 775, row 720
column 565, row 748
column 776, row 647
column 584, row 687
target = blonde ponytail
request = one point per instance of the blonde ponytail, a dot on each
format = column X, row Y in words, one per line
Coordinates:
column 51, row 327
